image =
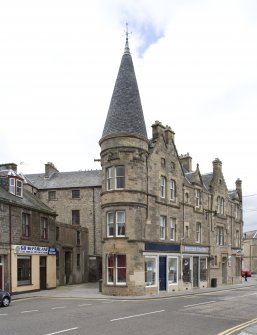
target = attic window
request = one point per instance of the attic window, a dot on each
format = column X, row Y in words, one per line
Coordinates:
column 15, row 186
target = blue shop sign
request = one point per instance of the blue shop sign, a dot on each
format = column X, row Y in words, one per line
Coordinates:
column 162, row 247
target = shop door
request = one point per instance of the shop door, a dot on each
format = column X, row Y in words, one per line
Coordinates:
column 195, row 271
column 42, row 272
column 1, row 277
column 162, row 273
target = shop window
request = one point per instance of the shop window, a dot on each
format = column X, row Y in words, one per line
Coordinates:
column 75, row 217
column 150, row 271
column 25, row 225
column 172, row 270
column 186, row 270
column 24, row 270
column 203, row 269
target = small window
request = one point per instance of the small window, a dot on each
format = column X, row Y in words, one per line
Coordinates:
column 162, row 187
column 25, row 225
column 198, row 232
column 120, row 177
column 12, row 185
column 163, row 162
column 75, row 217
column 78, row 237
column 44, row 228
column 163, row 222
column 75, row 194
column 52, row 195
column 19, row 188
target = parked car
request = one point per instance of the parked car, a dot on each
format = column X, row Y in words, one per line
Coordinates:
column 248, row 273
column 5, row 298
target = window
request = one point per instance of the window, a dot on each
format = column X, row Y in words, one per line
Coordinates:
column 78, row 260
column 203, row 269
column 172, row 190
column 52, row 195
column 163, row 162
column 19, row 188
column 75, row 194
column 116, row 223
column 116, row 269
column 198, row 232
column 186, row 231
column 150, row 271
column 222, row 206
column 162, row 227
column 24, row 270
column 25, row 225
column 43, row 228
column 172, row 270
column 237, row 238
column 120, row 176
column 78, row 237
column 173, row 229
column 75, row 217
column 219, row 236
column 218, row 204
column 197, row 198
column 186, row 270
column 12, row 185
column 57, row 233
column 162, row 187
column 109, row 178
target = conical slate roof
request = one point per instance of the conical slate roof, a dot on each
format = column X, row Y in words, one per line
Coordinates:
column 125, row 115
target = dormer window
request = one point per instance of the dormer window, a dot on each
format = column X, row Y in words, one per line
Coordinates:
column 16, row 187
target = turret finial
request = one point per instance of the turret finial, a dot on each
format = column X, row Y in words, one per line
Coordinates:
column 127, row 44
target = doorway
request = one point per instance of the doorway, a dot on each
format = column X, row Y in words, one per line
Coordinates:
column 195, row 271
column 162, row 273
column 42, row 262
column 68, row 267
column 224, row 270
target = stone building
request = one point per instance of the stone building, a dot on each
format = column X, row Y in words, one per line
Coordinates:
column 27, row 236
column 154, row 223
column 75, row 197
column 250, row 251
column 164, row 226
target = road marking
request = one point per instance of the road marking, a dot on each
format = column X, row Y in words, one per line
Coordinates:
column 201, row 303
column 238, row 327
column 107, row 302
column 63, row 331
column 137, row 315
column 31, row 311
column 85, row 305
column 58, row 307
column 3, row 314
column 240, row 296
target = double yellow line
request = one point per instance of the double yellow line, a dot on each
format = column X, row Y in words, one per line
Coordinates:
column 238, row 327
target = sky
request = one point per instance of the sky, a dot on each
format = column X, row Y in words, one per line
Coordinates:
column 195, row 63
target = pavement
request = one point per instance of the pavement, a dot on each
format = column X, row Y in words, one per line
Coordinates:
column 91, row 291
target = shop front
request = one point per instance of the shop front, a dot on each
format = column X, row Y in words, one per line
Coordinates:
column 33, row 268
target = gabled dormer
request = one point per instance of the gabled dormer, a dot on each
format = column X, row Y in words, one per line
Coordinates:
column 10, row 180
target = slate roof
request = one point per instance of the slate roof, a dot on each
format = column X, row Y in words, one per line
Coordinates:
column 125, row 115
column 250, row 234
column 60, row 180
column 28, row 200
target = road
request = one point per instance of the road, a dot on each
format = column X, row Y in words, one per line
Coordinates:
column 203, row 314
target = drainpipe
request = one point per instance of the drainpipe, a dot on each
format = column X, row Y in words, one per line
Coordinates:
column 10, row 247
column 94, row 225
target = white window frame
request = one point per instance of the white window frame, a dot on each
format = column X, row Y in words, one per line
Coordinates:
column 115, row 270
column 120, row 222
column 163, row 223
column 197, row 198
column 222, row 205
column 172, row 189
column 163, row 187
column 151, row 270
column 110, row 267
column 113, row 220
column 109, row 178
column 19, row 188
column 120, row 283
column 174, row 281
column 173, row 229
column 219, row 235
column 117, row 176
column 12, row 185
column 198, row 232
